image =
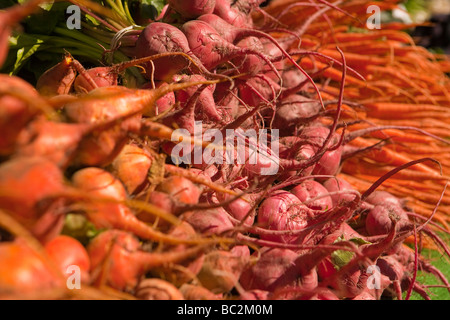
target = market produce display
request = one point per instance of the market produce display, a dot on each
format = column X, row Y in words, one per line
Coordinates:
column 220, row 150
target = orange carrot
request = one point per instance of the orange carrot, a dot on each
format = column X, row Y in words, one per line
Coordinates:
column 390, row 157
column 431, row 149
column 430, row 197
column 397, row 135
column 391, row 110
column 355, row 59
column 377, row 35
column 332, row 73
column 364, row 168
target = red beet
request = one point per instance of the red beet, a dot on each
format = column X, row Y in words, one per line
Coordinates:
column 283, row 211
column 338, row 184
column 271, row 265
column 310, row 189
column 211, row 49
column 102, row 77
column 192, row 9
column 210, row 221
column 378, row 220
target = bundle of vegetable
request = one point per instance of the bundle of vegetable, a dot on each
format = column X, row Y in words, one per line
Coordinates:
column 221, row 150
column 405, row 85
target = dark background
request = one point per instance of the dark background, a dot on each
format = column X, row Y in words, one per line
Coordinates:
column 437, row 36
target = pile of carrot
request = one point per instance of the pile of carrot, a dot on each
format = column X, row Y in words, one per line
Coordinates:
column 116, row 180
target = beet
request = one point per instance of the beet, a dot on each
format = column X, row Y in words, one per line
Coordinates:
column 282, row 211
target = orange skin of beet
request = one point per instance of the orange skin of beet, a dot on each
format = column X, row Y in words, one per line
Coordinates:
column 66, row 251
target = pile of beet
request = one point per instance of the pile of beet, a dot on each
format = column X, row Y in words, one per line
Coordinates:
column 94, row 205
